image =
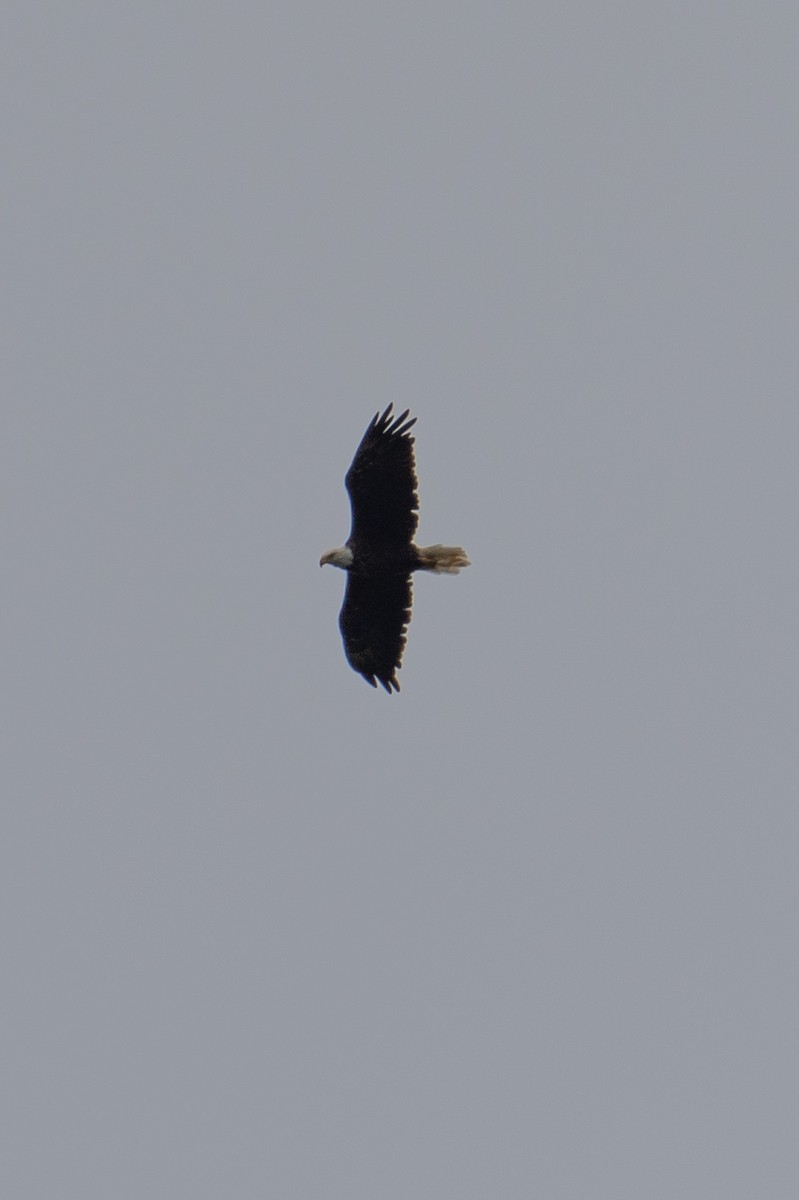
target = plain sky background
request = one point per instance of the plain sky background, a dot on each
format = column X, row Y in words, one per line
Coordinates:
column 529, row 928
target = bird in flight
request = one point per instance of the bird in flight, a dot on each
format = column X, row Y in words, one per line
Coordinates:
column 379, row 556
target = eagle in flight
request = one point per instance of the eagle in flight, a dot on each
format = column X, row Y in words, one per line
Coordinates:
column 379, row 556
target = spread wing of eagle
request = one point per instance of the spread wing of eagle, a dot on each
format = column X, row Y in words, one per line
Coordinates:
column 379, row 555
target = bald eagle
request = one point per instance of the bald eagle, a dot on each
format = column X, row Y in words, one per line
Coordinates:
column 380, row 556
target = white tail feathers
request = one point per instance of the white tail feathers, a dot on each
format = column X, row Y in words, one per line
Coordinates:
column 444, row 560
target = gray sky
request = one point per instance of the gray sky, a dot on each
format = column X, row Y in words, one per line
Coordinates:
column 527, row 929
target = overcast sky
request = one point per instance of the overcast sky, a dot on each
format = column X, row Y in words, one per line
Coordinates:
column 528, row 928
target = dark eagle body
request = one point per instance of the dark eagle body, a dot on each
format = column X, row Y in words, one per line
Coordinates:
column 379, row 555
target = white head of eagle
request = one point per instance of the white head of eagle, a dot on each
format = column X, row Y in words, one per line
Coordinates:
column 340, row 557
column 379, row 556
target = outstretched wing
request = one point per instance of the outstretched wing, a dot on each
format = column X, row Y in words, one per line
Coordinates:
column 373, row 620
column 382, row 483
